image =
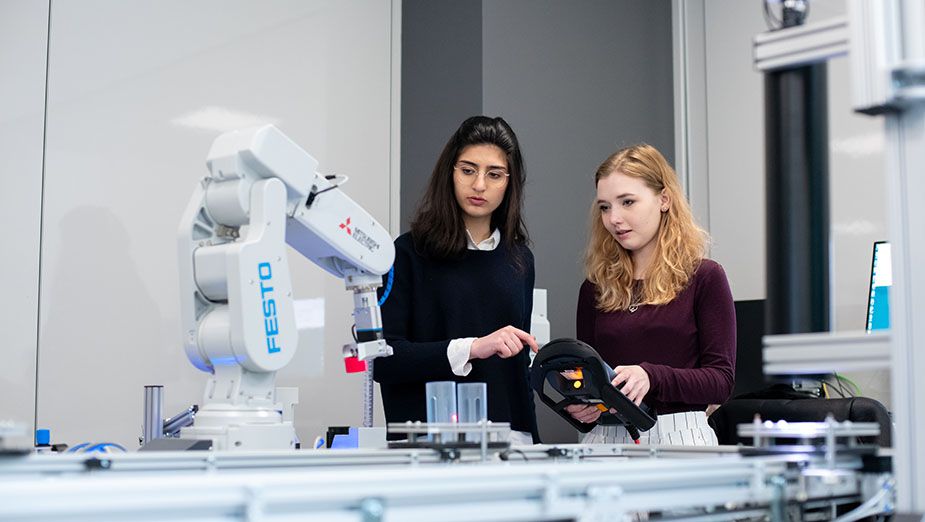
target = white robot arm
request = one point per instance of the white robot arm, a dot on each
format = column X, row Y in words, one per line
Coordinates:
column 263, row 192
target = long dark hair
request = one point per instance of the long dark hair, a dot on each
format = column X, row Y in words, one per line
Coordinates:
column 438, row 227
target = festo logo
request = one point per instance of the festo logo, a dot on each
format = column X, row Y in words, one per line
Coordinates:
column 270, row 319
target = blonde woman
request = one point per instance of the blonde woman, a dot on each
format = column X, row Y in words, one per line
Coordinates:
column 653, row 306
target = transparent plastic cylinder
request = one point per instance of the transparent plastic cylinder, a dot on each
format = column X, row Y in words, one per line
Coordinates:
column 153, row 427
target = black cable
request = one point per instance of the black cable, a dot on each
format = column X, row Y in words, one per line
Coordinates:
column 353, row 332
column 849, row 393
column 312, row 195
column 835, row 388
column 506, row 455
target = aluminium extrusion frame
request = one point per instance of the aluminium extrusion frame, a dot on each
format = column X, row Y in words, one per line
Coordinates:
column 213, row 462
column 886, row 47
column 707, row 485
column 801, row 44
column 824, row 353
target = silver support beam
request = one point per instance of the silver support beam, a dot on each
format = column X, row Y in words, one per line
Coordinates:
column 887, row 51
column 690, row 112
column 801, row 45
column 824, row 353
column 906, row 152
column 874, row 46
column 718, row 488
column 887, row 57
column 220, row 462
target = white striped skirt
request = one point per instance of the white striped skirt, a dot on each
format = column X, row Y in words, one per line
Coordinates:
column 674, row 429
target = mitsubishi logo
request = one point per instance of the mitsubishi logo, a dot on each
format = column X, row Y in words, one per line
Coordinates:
column 359, row 236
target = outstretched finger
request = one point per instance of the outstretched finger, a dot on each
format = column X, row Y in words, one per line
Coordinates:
column 526, row 338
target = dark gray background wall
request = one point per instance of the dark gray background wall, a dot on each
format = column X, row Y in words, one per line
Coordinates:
column 576, row 81
column 441, row 85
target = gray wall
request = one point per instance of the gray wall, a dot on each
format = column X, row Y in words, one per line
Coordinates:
column 576, row 81
column 441, row 78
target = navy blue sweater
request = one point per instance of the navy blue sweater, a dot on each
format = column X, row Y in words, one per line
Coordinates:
column 434, row 301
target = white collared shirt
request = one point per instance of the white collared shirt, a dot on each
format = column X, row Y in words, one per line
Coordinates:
column 487, row 244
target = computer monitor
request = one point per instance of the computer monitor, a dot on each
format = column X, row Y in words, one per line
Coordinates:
column 881, row 278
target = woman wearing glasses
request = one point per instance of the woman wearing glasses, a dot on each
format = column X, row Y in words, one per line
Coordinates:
column 652, row 305
column 462, row 293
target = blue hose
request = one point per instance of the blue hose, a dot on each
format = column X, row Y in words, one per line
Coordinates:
column 388, row 286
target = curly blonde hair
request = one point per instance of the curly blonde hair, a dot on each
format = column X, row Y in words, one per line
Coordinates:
column 680, row 247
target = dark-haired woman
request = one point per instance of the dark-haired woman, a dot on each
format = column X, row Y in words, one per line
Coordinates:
column 462, row 292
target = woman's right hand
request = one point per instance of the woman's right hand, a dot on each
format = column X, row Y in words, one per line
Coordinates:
column 506, row 342
column 586, row 413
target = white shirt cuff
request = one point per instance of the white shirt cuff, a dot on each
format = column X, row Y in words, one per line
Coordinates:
column 458, row 354
column 521, row 438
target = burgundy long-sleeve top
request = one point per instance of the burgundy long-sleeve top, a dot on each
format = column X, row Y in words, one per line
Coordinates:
column 687, row 346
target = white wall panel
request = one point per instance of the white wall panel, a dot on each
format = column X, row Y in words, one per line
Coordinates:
column 735, row 123
column 137, row 92
column 859, row 213
column 23, row 37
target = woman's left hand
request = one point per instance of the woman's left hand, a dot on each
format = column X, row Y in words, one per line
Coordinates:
column 635, row 382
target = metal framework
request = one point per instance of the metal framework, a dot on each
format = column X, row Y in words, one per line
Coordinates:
column 801, row 45
column 823, row 353
column 886, row 47
column 574, row 482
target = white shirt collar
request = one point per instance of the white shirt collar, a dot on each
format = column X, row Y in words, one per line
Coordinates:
column 490, row 243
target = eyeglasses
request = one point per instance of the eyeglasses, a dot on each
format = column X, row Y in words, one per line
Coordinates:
column 467, row 172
